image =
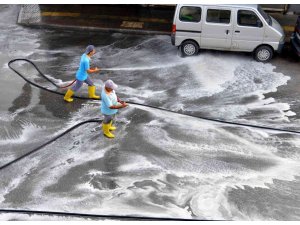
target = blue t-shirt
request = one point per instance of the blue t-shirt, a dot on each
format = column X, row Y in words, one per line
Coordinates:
column 108, row 100
column 83, row 67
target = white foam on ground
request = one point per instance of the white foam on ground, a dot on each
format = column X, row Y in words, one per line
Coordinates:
column 209, row 74
column 61, row 168
column 18, row 42
column 10, row 183
column 141, row 93
column 32, row 217
column 235, row 75
column 227, row 78
column 29, row 130
column 192, row 158
column 212, row 194
column 140, row 163
column 57, row 162
column 81, row 154
column 83, row 194
column 7, row 117
column 209, row 183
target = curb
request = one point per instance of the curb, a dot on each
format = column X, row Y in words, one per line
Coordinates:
column 108, row 30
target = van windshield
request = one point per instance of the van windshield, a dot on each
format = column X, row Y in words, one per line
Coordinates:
column 265, row 15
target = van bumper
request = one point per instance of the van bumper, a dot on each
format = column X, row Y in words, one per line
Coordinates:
column 173, row 38
column 280, row 47
column 295, row 44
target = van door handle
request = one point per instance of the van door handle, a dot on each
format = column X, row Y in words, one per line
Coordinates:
column 237, row 31
column 227, row 31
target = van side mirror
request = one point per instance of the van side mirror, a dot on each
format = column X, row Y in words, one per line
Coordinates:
column 259, row 23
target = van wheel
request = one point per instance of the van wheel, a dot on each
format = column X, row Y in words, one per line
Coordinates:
column 263, row 54
column 189, row 48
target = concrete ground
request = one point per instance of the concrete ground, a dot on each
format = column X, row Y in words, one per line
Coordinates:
column 160, row 164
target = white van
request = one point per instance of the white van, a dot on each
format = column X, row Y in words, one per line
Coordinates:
column 244, row 28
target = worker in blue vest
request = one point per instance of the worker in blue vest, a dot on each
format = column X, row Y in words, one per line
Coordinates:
column 82, row 75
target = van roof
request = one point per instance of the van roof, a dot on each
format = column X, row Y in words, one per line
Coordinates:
column 252, row 6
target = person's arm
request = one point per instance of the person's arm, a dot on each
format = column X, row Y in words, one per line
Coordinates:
column 122, row 105
column 120, row 101
column 109, row 104
column 119, row 106
column 90, row 70
column 94, row 70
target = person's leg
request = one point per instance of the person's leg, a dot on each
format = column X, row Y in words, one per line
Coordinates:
column 89, row 82
column 107, row 119
column 111, row 127
column 78, row 84
column 105, row 126
column 70, row 92
column 91, row 89
column 68, row 96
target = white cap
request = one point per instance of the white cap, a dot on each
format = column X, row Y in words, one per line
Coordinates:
column 111, row 84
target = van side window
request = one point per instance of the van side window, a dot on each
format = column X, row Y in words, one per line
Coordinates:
column 248, row 18
column 190, row 14
column 218, row 16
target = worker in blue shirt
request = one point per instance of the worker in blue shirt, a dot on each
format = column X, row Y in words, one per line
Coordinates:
column 110, row 104
column 82, row 75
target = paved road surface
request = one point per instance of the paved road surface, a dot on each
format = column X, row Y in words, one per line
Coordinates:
column 160, row 164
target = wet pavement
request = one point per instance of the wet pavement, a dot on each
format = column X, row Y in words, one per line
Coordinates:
column 160, row 164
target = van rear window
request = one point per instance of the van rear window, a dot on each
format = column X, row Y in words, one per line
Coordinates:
column 190, row 14
column 218, row 16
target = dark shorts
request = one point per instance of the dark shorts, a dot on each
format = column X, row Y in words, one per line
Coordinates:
column 108, row 118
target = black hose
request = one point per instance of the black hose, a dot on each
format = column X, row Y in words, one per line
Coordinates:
column 98, row 121
column 49, row 142
column 149, row 106
column 85, row 215
column 40, row 72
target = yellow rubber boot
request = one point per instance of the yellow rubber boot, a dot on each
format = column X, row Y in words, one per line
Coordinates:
column 92, row 92
column 111, row 127
column 68, row 96
column 106, row 132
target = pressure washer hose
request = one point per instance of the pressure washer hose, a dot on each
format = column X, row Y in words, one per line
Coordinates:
column 98, row 120
column 68, row 84
column 50, row 141
column 94, row 216
column 18, row 211
column 134, row 103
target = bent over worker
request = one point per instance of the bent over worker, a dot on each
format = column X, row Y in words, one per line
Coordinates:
column 82, row 75
column 110, row 104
